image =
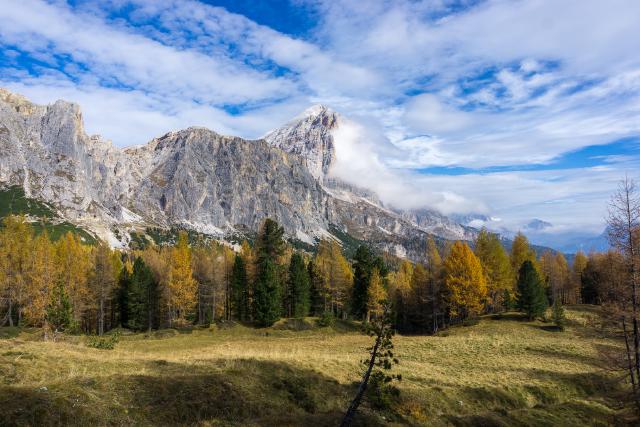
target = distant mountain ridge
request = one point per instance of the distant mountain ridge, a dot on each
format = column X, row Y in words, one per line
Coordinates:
column 198, row 179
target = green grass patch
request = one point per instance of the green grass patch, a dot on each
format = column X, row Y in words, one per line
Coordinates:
column 13, row 201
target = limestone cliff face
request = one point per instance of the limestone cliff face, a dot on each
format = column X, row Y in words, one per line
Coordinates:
column 45, row 150
column 198, row 179
column 309, row 136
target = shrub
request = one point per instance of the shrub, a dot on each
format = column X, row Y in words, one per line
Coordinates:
column 104, row 343
column 381, row 393
column 327, row 319
column 558, row 316
column 471, row 321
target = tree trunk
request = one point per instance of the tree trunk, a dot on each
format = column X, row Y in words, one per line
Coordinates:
column 10, row 312
column 632, row 374
column 101, row 318
column 348, row 417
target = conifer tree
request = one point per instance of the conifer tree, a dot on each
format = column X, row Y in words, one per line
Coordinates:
column 376, row 295
column 521, row 252
column 435, row 284
column 60, row 310
column 267, row 298
column 102, row 283
column 182, row 287
column 558, row 316
column 15, row 241
column 122, row 303
column 400, row 288
column 496, row 266
column 363, row 262
column 142, row 298
column 41, row 279
column 578, row 267
column 419, row 310
column 315, row 284
column 333, row 277
column 240, row 289
column 589, row 282
column 465, row 282
column 531, row 295
column 74, row 267
column 299, row 287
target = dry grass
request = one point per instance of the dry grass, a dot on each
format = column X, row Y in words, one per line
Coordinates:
column 499, row 372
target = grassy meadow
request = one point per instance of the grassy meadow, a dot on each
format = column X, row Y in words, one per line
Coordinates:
column 502, row 371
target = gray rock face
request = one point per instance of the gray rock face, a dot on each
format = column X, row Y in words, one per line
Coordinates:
column 309, row 136
column 215, row 183
column 198, row 179
column 46, row 151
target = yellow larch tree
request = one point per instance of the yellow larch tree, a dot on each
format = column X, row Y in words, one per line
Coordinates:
column 15, row 241
column 74, row 265
column 401, row 292
column 579, row 264
column 521, row 252
column 497, row 268
column 41, row 279
column 465, row 281
column 334, row 276
column 376, row 295
column 182, row 287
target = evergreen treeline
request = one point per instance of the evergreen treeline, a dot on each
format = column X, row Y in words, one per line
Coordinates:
column 66, row 285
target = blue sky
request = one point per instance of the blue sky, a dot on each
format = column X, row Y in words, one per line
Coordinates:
column 515, row 109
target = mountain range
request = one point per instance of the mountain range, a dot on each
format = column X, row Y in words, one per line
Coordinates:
column 200, row 180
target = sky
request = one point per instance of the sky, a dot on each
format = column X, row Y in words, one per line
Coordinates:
column 515, row 110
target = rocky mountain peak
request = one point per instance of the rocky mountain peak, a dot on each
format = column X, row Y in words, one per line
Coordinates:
column 309, row 135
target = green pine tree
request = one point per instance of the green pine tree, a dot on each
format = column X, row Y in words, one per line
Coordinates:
column 60, row 311
column 299, row 291
column 267, row 298
column 124, row 282
column 240, row 289
column 531, row 293
column 363, row 262
column 141, row 297
column 558, row 316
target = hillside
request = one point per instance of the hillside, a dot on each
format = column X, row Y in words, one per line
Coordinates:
column 13, row 201
column 503, row 371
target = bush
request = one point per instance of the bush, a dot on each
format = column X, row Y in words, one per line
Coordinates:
column 327, row 319
column 381, row 394
column 558, row 316
column 471, row 321
column 104, row 343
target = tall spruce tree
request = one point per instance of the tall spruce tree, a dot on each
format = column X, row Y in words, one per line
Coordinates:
column 142, row 297
column 122, row 302
column 315, row 281
column 60, row 311
column 363, row 261
column 531, row 294
column 239, row 289
column 267, row 295
column 299, row 289
column 267, row 301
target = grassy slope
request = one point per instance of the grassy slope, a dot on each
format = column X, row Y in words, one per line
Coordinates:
column 500, row 372
column 14, row 202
